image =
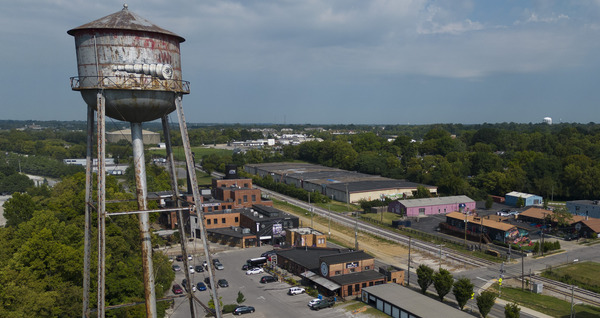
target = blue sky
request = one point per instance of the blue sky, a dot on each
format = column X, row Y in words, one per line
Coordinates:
column 335, row 61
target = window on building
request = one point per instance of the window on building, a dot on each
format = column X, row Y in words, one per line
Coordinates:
column 223, row 220
column 338, row 272
column 321, row 241
column 237, row 219
column 216, row 221
column 364, row 285
column 216, row 208
column 239, row 201
column 352, row 270
column 356, row 287
column 208, row 221
column 245, row 198
column 245, row 185
column 367, row 268
column 421, row 210
column 253, row 197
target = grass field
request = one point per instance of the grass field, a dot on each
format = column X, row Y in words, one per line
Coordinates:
column 584, row 274
column 548, row 305
column 388, row 217
column 337, row 206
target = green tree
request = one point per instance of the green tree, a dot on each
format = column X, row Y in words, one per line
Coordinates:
column 562, row 216
column 424, row 277
column 443, row 281
column 18, row 209
column 512, row 310
column 489, row 202
column 422, row 192
column 240, row 298
column 520, row 202
column 211, row 302
column 485, row 301
column 463, row 289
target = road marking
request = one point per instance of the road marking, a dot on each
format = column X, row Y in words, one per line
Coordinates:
column 485, row 280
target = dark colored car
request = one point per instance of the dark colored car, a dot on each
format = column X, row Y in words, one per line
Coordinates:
column 245, row 267
column 177, row 290
column 267, row 253
column 243, row 310
column 179, row 258
column 215, row 261
column 268, row 279
column 198, row 269
column 223, row 283
column 201, row 286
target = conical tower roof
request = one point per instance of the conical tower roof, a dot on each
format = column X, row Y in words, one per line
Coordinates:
column 124, row 20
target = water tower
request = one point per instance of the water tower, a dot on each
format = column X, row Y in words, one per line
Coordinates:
column 130, row 70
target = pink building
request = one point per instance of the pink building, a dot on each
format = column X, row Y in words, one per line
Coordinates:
column 428, row 206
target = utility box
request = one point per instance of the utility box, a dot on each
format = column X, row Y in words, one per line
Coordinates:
column 538, row 287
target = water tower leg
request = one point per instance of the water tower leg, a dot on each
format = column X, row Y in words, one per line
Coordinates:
column 101, row 135
column 173, row 175
column 197, row 199
column 144, row 220
column 87, row 247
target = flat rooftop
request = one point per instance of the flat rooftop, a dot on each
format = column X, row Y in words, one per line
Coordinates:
column 416, row 303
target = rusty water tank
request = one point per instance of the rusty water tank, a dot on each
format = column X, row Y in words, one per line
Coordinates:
column 136, row 64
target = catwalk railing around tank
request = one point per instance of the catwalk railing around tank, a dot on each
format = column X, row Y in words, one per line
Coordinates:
column 129, row 82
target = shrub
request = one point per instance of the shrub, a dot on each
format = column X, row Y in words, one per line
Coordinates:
column 312, row 292
column 229, row 308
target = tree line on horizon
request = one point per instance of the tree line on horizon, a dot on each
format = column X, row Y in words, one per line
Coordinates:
column 554, row 161
column 558, row 162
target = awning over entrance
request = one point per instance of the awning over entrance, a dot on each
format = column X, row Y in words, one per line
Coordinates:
column 321, row 281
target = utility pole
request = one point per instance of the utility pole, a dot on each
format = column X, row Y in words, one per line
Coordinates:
column 310, row 211
column 329, row 226
column 409, row 245
column 542, row 233
column 500, row 280
column 440, row 265
column 480, row 232
column 466, row 223
column 572, row 296
column 355, row 221
column 522, row 272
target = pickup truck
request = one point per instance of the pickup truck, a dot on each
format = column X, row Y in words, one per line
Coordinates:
column 323, row 303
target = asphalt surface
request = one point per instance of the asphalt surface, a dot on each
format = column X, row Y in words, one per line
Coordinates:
column 269, row 300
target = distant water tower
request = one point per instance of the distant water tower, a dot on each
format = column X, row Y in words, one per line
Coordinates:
column 548, row 120
column 130, row 70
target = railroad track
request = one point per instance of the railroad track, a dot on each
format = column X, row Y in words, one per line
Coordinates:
column 385, row 233
column 579, row 294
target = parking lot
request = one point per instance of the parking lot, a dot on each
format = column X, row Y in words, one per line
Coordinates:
column 269, row 300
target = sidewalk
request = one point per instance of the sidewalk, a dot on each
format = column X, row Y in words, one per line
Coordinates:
column 524, row 309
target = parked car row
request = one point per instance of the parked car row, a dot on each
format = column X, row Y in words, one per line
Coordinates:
column 198, row 268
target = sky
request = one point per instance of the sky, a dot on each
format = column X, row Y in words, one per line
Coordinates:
column 331, row 61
